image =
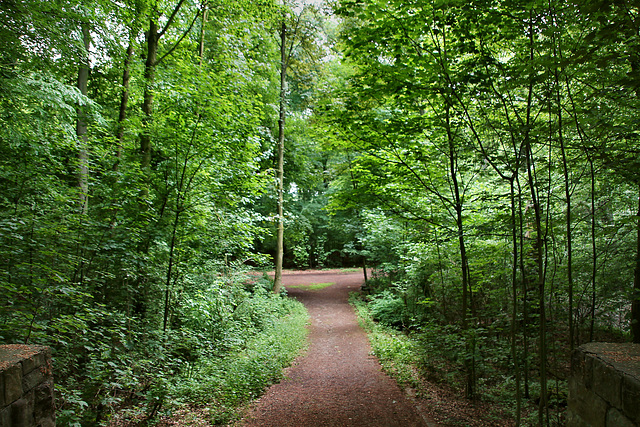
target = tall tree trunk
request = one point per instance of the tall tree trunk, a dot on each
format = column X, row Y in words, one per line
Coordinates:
column 152, row 39
column 81, row 127
column 539, row 248
column 514, row 296
column 202, row 33
column 525, row 296
column 124, row 102
column 466, row 294
column 557, row 53
column 83, row 151
column 172, row 247
column 594, row 258
column 567, row 192
column 635, row 304
column 277, row 282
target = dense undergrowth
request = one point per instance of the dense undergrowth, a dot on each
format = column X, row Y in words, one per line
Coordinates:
column 430, row 359
column 228, row 338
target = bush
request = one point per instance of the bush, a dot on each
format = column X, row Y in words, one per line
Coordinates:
column 225, row 383
column 388, row 309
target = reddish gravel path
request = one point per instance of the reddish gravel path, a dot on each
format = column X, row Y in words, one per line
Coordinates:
column 338, row 382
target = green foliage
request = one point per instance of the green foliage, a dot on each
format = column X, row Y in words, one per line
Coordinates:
column 240, row 374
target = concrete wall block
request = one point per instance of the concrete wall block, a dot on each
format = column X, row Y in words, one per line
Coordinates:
column 587, row 404
column 12, row 379
column 29, row 364
column 607, row 383
column 577, row 363
column 5, row 417
column 615, row 418
column 43, row 402
column 20, row 415
column 587, row 375
column 574, row 420
column 33, row 378
column 631, row 398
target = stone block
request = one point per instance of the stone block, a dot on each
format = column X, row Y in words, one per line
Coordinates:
column 577, row 363
column 20, row 416
column 574, row 420
column 589, row 405
column 32, row 379
column 587, row 374
column 616, row 419
column 607, row 383
column 28, row 365
column 5, row 417
column 43, row 400
column 12, row 379
column 631, row 398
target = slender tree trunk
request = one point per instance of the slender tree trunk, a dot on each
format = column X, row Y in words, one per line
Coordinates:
column 567, row 192
column 152, row 38
column 557, row 52
column 525, row 297
column 124, row 103
column 202, row 33
column 635, row 304
column 172, row 246
column 514, row 296
column 277, row 282
column 81, row 127
column 539, row 259
column 82, row 153
column 466, row 297
column 594, row 258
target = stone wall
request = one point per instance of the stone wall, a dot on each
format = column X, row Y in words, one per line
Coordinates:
column 26, row 386
column 604, row 388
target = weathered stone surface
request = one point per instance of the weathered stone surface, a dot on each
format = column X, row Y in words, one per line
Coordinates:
column 29, row 364
column 20, row 414
column 43, row 397
column 604, row 389
column 607, row 383
column 624, row 357
column 631, row 398
column 26, row 387
column 616, row 419
column 12, row 379
column 577, row 363
column 587, row 405
column 574, row 420
column 5, row 417
column 33, row 378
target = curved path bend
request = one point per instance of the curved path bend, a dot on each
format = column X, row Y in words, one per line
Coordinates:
column 337, row 382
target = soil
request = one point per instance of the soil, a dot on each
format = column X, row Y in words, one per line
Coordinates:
column 338, row 382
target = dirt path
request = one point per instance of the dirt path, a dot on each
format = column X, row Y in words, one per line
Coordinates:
column 338, row 382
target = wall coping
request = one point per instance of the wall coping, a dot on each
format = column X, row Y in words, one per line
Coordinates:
column 623, row 357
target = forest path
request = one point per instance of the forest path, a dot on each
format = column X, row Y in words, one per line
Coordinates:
column 337, row 382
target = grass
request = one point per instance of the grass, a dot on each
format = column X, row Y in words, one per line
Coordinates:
column 220, row 388
column 312, row 286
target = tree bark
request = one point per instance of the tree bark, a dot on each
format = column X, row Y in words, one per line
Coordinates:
column 466, row 286
column 81, row 127
column 152, row 38
column 277, row 281
column 635, row 304
column 124, row 102
column 539, row 259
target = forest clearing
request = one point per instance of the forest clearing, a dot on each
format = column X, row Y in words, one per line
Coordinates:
column 478, row 163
